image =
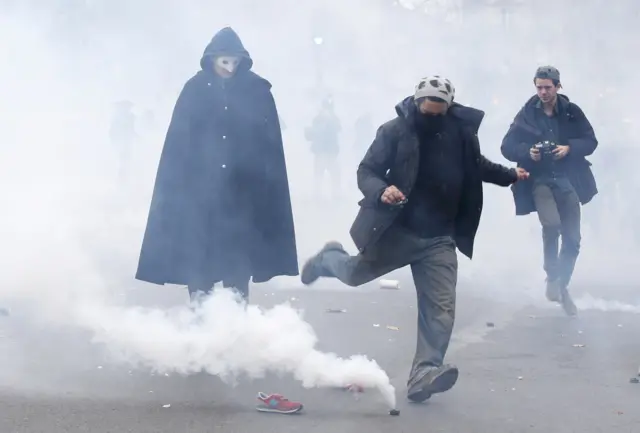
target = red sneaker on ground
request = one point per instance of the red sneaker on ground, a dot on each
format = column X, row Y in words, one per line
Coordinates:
column 276, row 403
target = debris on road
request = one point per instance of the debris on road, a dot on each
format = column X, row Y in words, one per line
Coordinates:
column 335, row 310
column 520, row 378
column 166, row 406
column 394, row 412
column 393, row 328
column 390, row 284
column 578, row 345
column 376, row 325
column 491, row 325
column 99, row 367
column 355, row 388
column 634, row 380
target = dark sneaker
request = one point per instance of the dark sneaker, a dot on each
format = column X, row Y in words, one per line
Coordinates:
column 435, row 381
column 312, row 269
column 553, row 291
column 275, row 403
column 567, row 303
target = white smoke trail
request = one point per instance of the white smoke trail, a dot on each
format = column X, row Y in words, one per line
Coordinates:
column 588, row 302
column 227, row 339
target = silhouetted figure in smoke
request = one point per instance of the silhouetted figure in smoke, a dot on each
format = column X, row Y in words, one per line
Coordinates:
column 323, row 135
column 422, row 185
column 551, row 137
column 122, row 134
column 221, row 209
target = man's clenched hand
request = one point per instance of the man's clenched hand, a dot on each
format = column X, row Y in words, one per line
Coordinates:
column 392, row 195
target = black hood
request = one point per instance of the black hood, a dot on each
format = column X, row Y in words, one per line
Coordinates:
column 226, row 43
column 407, row 109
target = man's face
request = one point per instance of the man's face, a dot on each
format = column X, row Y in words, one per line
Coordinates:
column 433, row 108
column 547, row 91
column 226, row 66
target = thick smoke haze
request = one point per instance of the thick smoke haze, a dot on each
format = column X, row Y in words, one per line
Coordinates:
column 71, row 229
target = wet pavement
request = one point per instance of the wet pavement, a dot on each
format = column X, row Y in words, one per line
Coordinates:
column 524, row 369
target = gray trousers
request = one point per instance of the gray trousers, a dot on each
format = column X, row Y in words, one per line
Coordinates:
column 434, row 265
column 558, row 209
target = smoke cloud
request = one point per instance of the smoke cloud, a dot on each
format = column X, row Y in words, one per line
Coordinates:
column 71, row 235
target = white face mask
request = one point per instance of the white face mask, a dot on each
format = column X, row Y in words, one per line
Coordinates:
column 228, row 63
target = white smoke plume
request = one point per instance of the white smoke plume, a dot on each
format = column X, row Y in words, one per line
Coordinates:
column 228, row 339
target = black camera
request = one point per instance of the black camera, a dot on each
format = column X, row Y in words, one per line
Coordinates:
column 546, row 148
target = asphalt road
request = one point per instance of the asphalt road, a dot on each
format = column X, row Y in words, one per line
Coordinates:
column 530, row 370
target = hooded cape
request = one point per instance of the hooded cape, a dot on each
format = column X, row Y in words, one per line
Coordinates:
column 221, row 206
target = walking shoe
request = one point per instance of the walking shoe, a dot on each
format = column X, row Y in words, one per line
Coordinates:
column 312, row 269
column 553, row 291
column 275, row 403
column 567, row 303
column 434, row 381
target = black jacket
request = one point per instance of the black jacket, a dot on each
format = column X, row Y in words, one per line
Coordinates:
column 221, row 190
column 575, row 131
column 393, row 159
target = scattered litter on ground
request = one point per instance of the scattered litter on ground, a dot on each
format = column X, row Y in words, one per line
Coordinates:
column 355, row 388
column 520, row 378
column 389, row 284
column 393, row 328
column 619, row 326
column 166, row 406
column 376, row 325
column 99, row 367
column 335, row 310
column 294, row 299
column 578, row 345
column 634, row 380
column 491, row 325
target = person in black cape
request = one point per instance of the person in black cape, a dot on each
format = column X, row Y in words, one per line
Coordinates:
column 221, row 208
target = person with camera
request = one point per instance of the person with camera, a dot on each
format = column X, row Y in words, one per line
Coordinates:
column 551, row 137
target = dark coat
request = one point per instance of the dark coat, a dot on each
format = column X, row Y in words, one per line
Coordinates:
column 393, row 159
column 221, row 191
column 575, row 131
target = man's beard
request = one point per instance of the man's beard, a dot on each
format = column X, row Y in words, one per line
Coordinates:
column 430, row 124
